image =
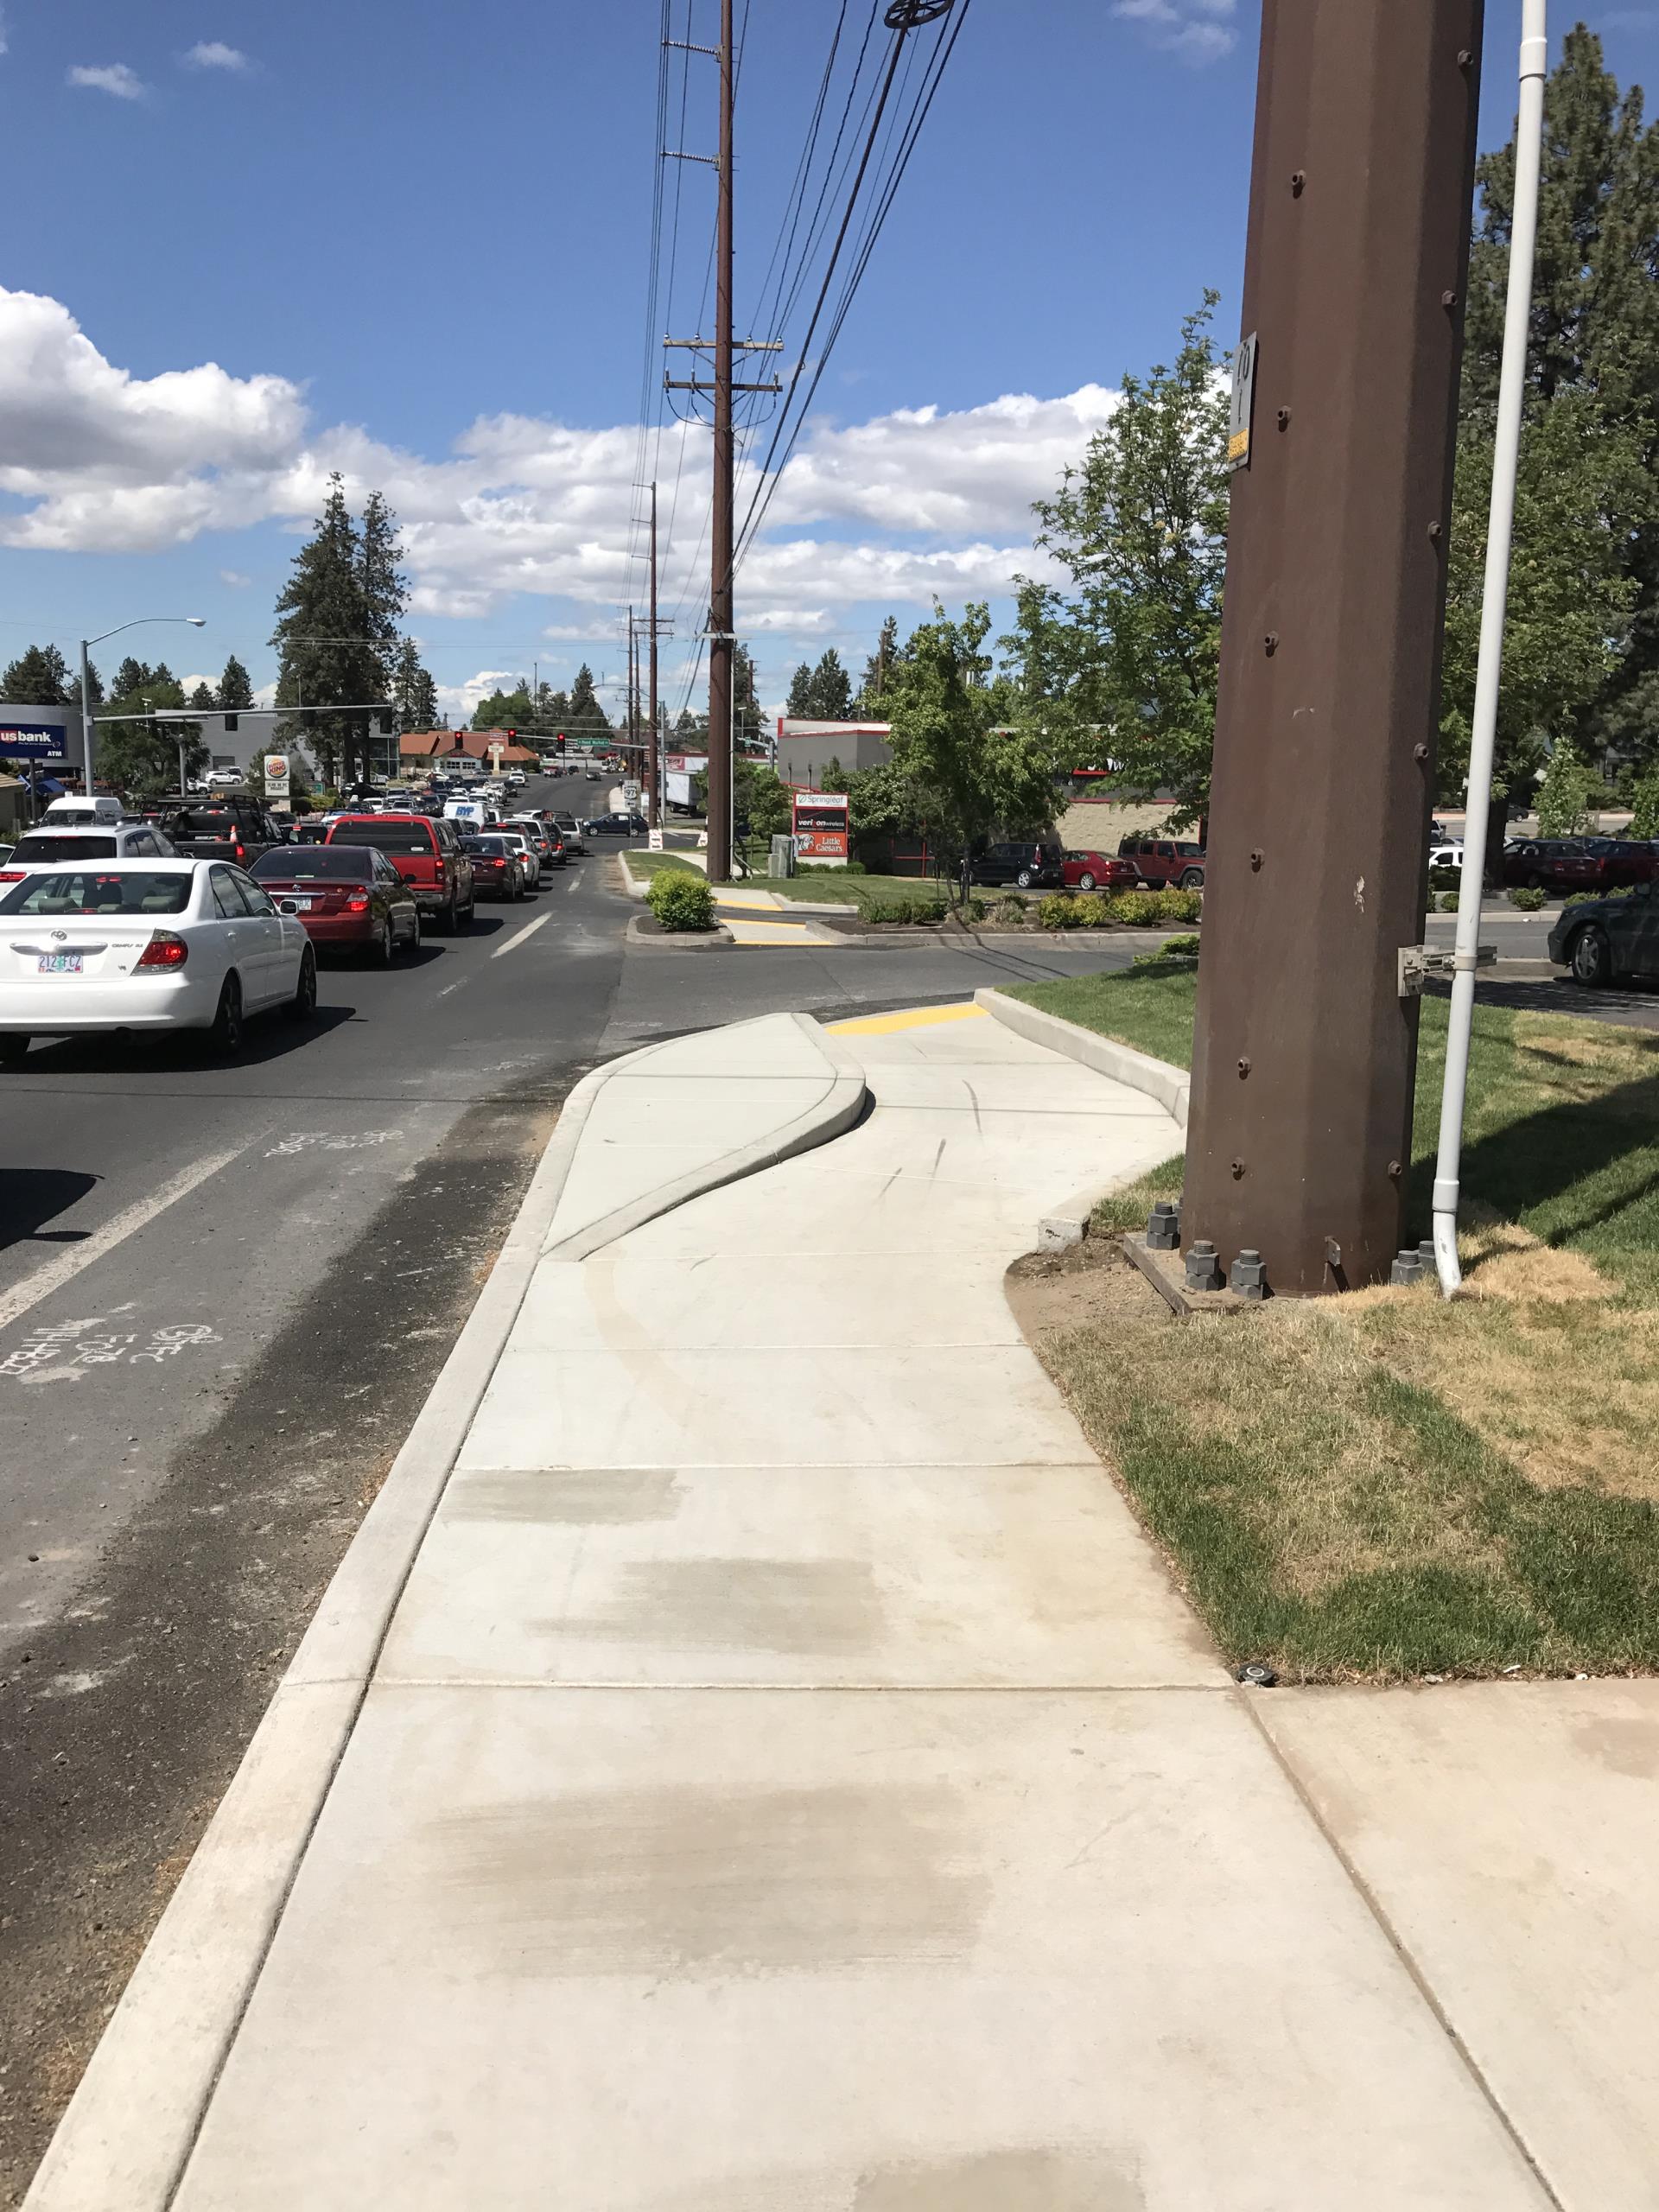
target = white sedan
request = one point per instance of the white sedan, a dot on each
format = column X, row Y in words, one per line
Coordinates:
column 144, row 944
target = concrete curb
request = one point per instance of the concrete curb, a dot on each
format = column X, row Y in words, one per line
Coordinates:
column 1067, row 1224
column 125, row 2138
column 681, row 941
column 835, row 1111
column 1171, row 1086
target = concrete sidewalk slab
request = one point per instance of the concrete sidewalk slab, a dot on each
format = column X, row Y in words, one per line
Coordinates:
column 862, row 1577
column 681, row 1950
column 1508, row 1832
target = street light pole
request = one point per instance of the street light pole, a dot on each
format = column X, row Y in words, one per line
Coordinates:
column 196, row 621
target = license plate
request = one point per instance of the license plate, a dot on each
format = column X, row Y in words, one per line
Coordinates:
column 60, row 963
column 303, row 905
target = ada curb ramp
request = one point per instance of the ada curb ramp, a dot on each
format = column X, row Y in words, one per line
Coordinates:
column 128, row 2132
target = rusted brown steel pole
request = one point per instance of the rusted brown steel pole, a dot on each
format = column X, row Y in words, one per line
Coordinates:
column 1357, row 254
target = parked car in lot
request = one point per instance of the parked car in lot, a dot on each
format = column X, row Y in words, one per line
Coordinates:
column 1019, row 861
column 430, row 855
column 1089, row 871
column 498, row 870
column 1607, row 938
column 1445, row 855
column 349, row 898
column 1559, row 864
column 145, row 944
column 1165, row 861
column 119, row 841
column 1630, row 859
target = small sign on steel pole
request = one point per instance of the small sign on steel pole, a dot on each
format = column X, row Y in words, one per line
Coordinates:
column 1238, row 442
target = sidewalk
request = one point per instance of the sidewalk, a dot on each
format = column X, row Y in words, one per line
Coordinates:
column 789, row 1783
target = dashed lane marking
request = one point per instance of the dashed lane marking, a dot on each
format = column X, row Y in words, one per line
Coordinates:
column 518, row 936
column 68, row 1264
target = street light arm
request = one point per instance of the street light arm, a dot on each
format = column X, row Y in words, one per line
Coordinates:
column 196, row 622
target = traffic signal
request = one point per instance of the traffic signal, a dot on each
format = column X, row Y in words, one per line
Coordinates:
column 558, row 742
column 385, row 721
column 512, row 737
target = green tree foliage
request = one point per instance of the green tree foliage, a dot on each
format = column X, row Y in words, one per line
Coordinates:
column 967, row 773
column 204, row 699
column 745, row 703
column 141, row 759
column 72, row 689
column 1644, row 804
column 336, row 632
column 1129, row 661
column 235, row 688
column 586, row 713
column 760, row 800
column 1571, row 589
column 824, row 693
column 1566, row 793
column 38, row 677
column 414, row 694
column 797, row 705
column 885, row 656
column 505, row 709
column 1595, row 339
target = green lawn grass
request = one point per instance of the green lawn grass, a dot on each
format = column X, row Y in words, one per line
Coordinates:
column 1384, row 1485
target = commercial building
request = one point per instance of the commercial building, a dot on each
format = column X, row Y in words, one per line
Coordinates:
column 806, row 748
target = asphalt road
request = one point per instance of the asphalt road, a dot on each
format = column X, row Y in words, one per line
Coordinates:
column 224, row 1292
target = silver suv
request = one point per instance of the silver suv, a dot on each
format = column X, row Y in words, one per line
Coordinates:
column 115, row 841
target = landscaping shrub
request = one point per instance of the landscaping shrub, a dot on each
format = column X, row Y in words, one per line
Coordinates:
column 1527, row 899
column 1448, row 902
column 1054, row 912
column 1179, row 905
column 1010, row 909
column 974, row 910
column 1584, row 898
column 919, row 909
column 1089, row 911
column 1445, row 879
column 681, row 901
column 1140, row 909
column 1179, row 948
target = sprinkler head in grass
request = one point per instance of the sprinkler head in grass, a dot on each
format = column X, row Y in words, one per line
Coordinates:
column 1256, row 1675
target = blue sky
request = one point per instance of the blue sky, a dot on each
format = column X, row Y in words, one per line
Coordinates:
column 412, row 239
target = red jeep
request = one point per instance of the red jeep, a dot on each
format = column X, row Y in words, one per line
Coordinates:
column 1165, row 861
column 426, row 853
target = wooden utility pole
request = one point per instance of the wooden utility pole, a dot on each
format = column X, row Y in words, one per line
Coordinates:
column 1344, row 436
column 721, row 638
column 653, row 802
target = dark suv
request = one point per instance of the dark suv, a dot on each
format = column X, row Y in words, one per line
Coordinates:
column 235, row 829
column 1165, row 861
column 1020, row 861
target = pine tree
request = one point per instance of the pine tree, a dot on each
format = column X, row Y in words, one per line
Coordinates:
column 829, row 689
column 799, row 705
column 204, row 700
column 327, row 654
column 38, row 677
column 72, row 688
column 1595, row 335
column 235, row 687
column 385, row 595
column 131, row 677
column 879, row 667
column 746, row 704
column 414, row 694
column 585, row 715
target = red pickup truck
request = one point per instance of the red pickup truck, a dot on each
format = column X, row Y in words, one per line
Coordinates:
column 425, row 852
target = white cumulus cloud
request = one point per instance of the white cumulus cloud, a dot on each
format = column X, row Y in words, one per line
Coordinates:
column 112, row 77
column 1197, row 30
column 213, row 53
column 891, row 511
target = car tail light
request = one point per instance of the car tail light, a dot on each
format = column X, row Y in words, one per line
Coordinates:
column 12, row 874
column 241, row 851
column 164, row 950
column 358, row 903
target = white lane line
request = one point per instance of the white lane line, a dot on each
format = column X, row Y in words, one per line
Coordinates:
column 116, row 1231
column 448, row 987
column 528, row 930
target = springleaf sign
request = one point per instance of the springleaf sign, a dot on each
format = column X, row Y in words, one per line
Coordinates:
column 1238, row 442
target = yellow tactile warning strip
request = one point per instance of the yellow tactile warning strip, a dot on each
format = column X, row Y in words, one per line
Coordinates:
column 915, row 1017
column 765, row 933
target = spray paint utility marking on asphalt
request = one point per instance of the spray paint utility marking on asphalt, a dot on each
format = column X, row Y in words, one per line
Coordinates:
column 320, row 1141
column 68, row 1351
column 127, row 1223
